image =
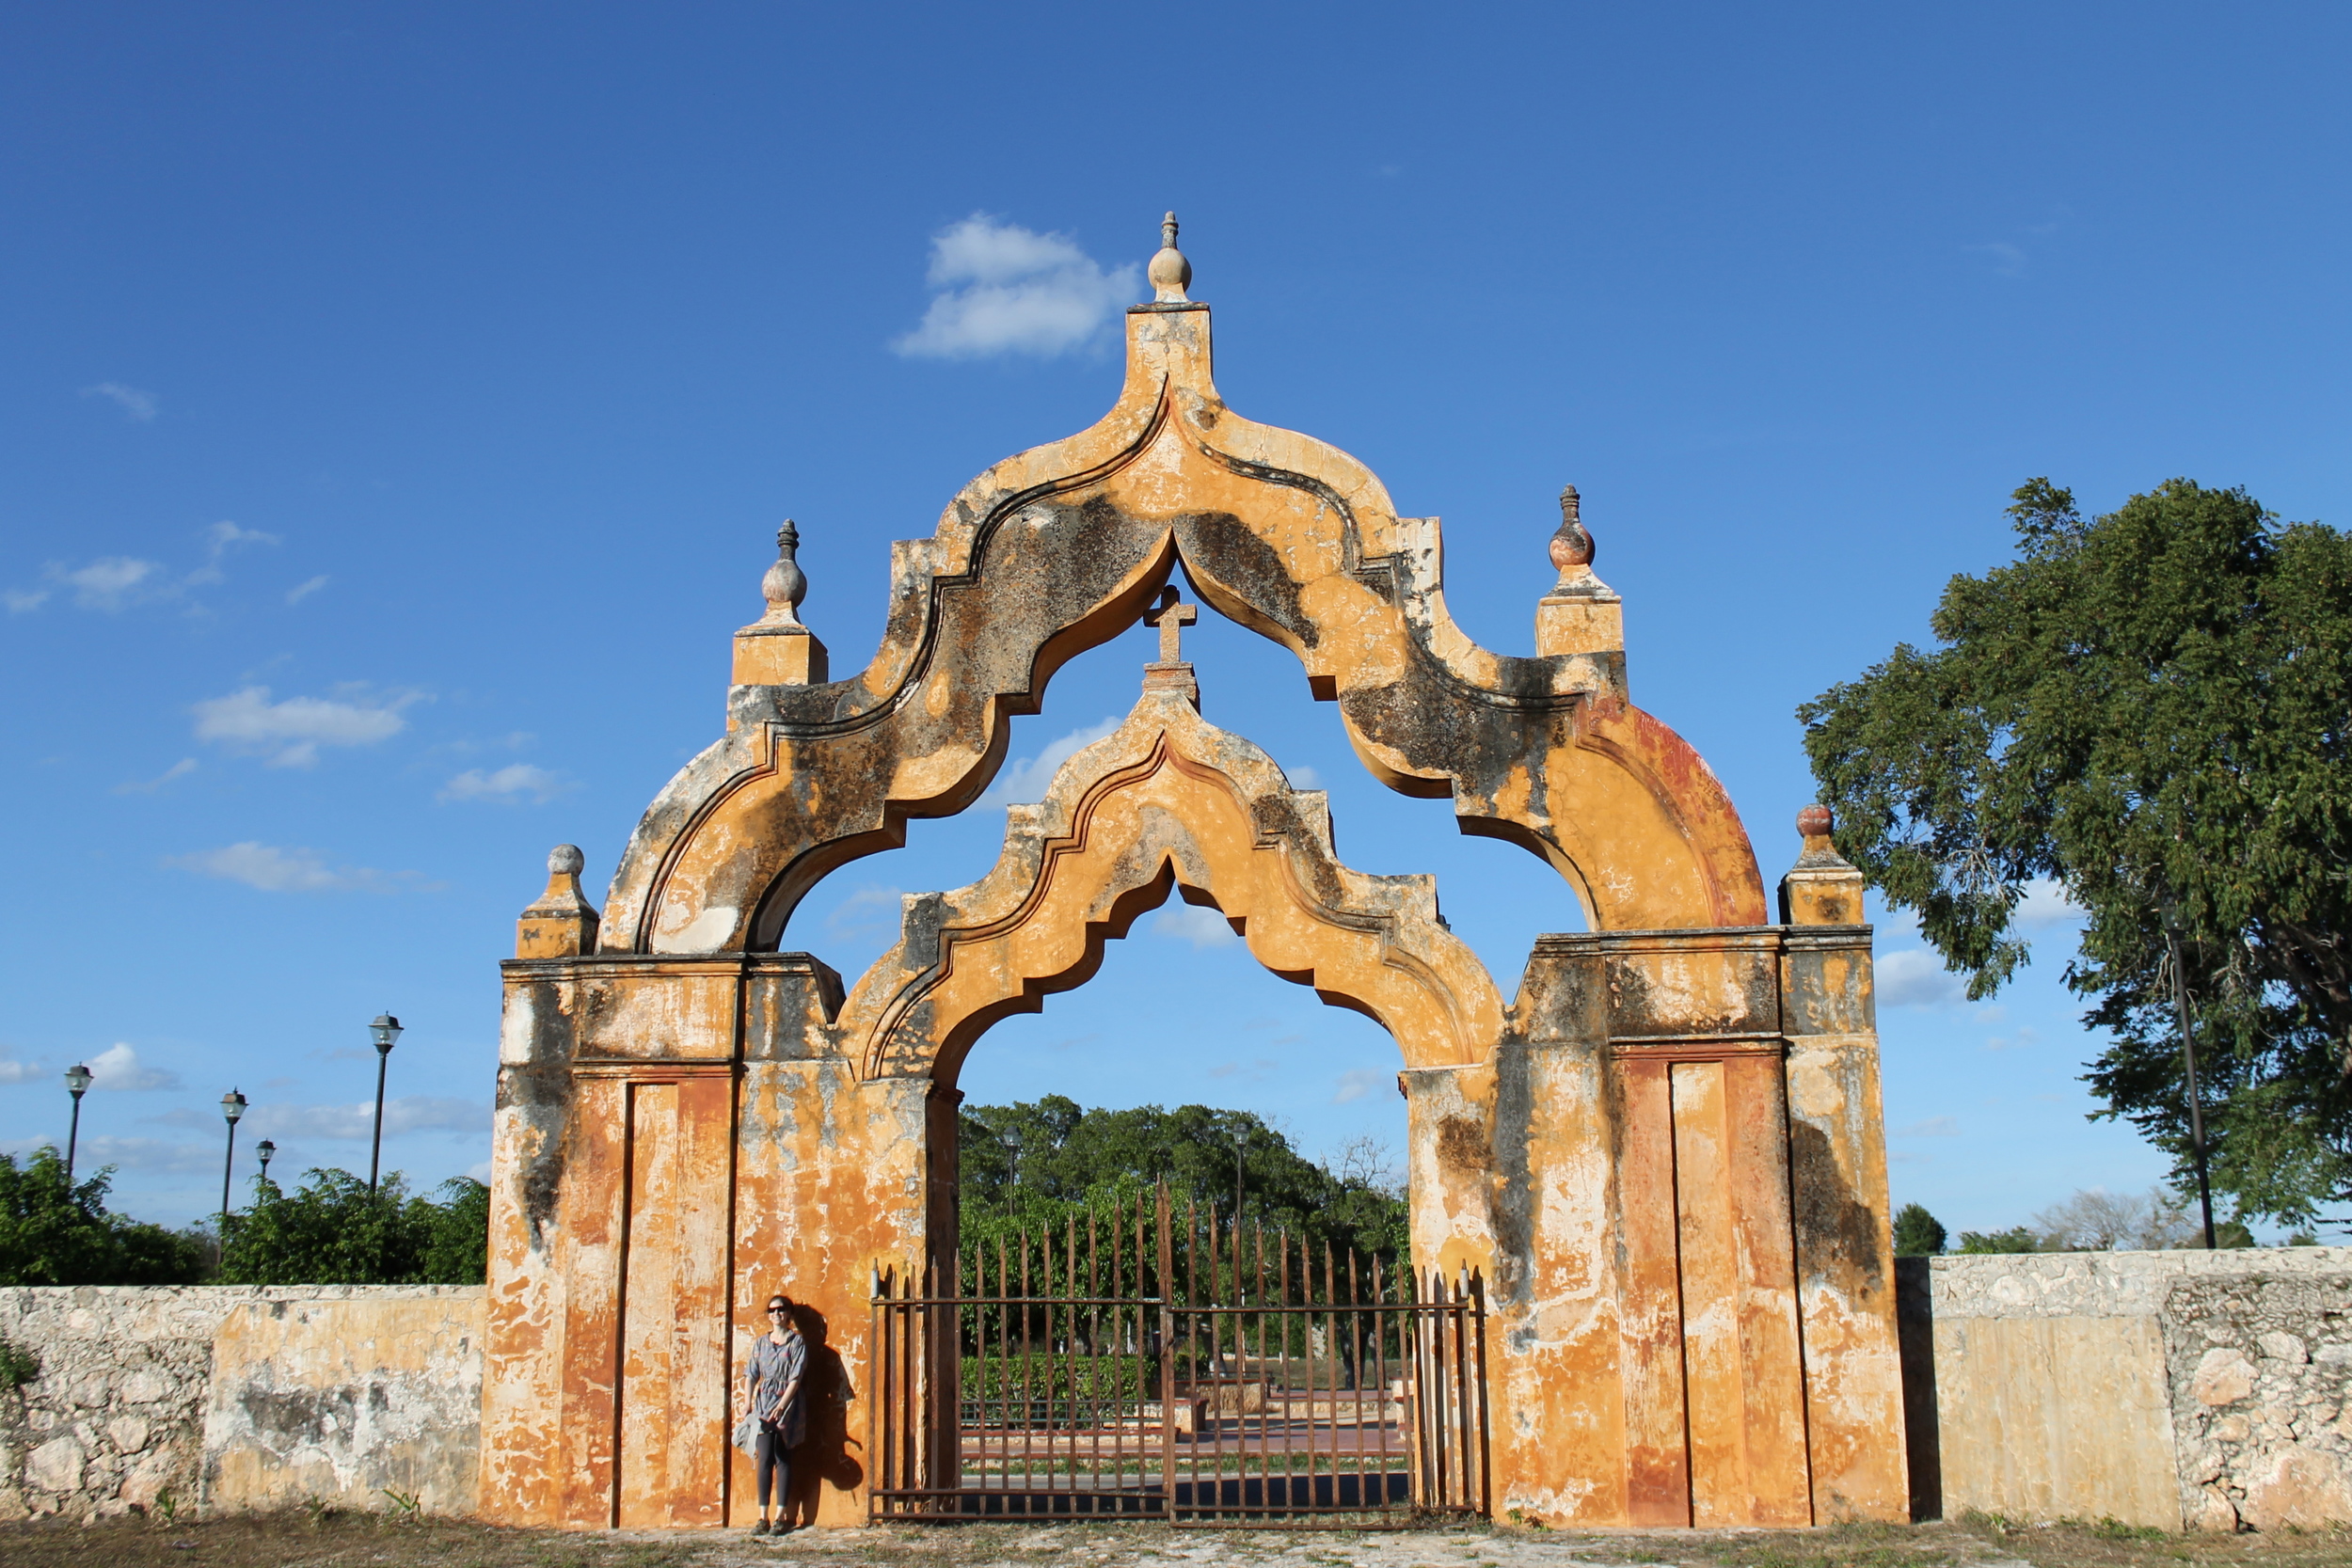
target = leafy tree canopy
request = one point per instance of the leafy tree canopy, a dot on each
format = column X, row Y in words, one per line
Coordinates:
column 1028, row 1163
column 57, row 1232
column 331, row 1231
column 1917, row 1233
column 2150, row 710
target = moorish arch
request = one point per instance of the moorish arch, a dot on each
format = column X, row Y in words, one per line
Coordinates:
column 1167, row 803
column 1664, row 1153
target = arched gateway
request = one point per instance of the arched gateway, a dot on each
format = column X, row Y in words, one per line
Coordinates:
column 1663, row 1157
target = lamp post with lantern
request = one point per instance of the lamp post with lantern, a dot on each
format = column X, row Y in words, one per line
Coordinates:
column 77, row 1079
column 265, row 1148
column 231, row 1107
column 387, row 1030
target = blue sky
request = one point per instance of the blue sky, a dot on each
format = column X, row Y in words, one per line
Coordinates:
column 397, row 405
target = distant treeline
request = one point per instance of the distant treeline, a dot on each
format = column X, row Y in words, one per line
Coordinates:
column 1029, row 1166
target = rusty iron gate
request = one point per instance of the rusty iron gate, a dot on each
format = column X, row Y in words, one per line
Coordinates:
column 1148, row 1364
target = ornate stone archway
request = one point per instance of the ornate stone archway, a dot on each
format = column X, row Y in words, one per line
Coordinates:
column 1664, row 1153
column 1167, row 803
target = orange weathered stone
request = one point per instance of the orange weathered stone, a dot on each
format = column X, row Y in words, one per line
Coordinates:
column 1664, row 1155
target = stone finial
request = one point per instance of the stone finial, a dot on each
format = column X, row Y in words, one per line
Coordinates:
column 1572, row 542
column 786, row 585
column 1822, row 888
column 1579, row 614
column 1169, row 272
column 562, row 923
column 776, row 649
column 1814, row 824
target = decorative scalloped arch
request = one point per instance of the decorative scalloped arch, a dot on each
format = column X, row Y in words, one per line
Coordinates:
column 1058, row 550
column 1167, row 801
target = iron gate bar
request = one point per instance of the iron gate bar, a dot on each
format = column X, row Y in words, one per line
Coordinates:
column 972, row 1406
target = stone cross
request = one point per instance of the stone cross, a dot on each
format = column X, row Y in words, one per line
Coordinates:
column 1168, row 615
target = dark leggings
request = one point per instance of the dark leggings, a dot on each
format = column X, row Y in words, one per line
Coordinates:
column 773, row 1459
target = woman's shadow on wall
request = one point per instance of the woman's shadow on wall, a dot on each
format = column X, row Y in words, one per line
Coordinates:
column 824, row 1457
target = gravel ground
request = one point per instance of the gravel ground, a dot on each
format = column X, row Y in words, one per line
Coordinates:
column 297, row 1540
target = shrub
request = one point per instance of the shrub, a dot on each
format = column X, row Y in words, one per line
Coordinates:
column 57, row 1232
column 331, row 1231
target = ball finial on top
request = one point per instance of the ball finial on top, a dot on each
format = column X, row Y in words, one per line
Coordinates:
column 786, row 585
column 1169, row 272
column 1815, row 821
column 1572, row 543
column 565, row 860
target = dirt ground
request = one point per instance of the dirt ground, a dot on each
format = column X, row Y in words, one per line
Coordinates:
column 344, row 1540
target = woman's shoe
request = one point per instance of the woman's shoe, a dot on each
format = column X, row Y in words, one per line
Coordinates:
column 760, row 1529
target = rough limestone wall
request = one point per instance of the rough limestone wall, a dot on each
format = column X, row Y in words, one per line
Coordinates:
column 348, row 1399
column 116, row 1418
column 2170, row 1388
column 2261, row 1370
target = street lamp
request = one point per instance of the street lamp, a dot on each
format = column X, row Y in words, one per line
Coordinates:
column 265, row 1148
column 231, row 1107
column 385, row 1029
column 77, row 1083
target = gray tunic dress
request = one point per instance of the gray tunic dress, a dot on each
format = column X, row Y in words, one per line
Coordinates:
column 772, row 1368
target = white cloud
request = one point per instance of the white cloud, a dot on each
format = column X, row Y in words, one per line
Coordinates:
column 297, row 594
column 117, row 1066
column 2046, row 904
column 1915, row 977
column 1303, row 777
column 507, row 785
column 136, row 406
column 14, row 1071
column 179, row 770
column 275, row 870
column 1355, row 1083
column 291, row 732
column 219, row 540
column 1192, row 923
column 111, row 581
column 1009, row 290
column 221, row 535
column 416, row 1113
column 2026, row 1035
column 867, row 915
column 158, row 1156
column 1934, row 1127
column 1029, row 778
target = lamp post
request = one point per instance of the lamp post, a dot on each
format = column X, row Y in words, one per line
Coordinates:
column 77, row 1083
column 231, row 1107
column 265, row 1148
column 387, row 1030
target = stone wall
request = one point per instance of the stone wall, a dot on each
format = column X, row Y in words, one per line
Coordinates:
column 2170, row 1388
column 240, row 1395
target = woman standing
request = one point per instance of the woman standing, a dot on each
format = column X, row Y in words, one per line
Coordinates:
column 772, row 1396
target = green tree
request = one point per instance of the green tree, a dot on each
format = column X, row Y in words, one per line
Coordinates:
column 1917, row 1233
column 1974, row 1242
column 331, row 1231
column 2150, row 710
column 1018, row 1162
column 57, row 1232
